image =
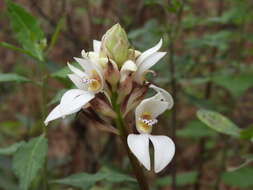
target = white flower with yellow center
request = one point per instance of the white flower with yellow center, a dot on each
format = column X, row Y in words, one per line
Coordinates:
column 89, row 82
column 146, row 60
column 146, row 115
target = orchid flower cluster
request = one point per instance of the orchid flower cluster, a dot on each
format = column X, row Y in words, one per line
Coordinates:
column 113, row 76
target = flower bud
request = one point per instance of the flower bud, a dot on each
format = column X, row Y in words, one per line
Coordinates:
column 112, row 74
column 102, row 107
column 115, row 44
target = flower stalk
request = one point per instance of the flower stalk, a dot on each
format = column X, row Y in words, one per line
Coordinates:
column 119, row 121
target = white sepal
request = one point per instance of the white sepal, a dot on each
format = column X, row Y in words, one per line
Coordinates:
column 146, row 65
column 71, row 102
column 163, row 95
column 164, row 150
column 139, row 146
column 149, row 52
column 54, row 114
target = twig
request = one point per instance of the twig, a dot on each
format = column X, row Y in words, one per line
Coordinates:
column 172, row 37
column 208, row 94
column 123, row 134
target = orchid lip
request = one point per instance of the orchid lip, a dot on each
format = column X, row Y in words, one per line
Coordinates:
column 149, row 122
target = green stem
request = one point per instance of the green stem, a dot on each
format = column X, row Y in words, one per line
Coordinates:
column 123, row 135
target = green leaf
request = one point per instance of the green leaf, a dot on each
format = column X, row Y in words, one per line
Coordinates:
column 241, row 178
column 26, row 29
column 81, row 180
column 15, row 48
column 29, row 158
column 247, row 133
column 181, row 180
column 12, row 77
column 11, row 149
column 86, row 181
column 235, row 84
column 195, row 129
column 218, row 122
column 116, row 177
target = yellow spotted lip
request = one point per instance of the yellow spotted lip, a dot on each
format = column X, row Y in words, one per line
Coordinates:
column 145, row 122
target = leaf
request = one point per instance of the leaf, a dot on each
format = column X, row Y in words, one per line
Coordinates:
column 181, row 180
column 12, row 77
column 116, row 177
column 241, row 178
column 81, row 180
column 218, row 122
column 15, row 48
column 29, row 158
column 235, row 84
column 85, row 180
column 247, row 133
column 11, row 149
column 195, row 129
column 62, row 73
column 26, row 29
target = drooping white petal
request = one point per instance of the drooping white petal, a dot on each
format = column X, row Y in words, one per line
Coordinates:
column 149, row 52
column 96, row 46
column 139, row 146
column 151, row 105
column 73, row 100
column 78, row 81
column 76, row 71
column 147, row 64
column 163, row 95
column 164, row 150
column 54, row 114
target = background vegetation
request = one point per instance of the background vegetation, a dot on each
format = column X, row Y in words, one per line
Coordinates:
column 207, row 69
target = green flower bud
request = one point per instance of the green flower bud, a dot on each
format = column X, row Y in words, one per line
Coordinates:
column 115, row 44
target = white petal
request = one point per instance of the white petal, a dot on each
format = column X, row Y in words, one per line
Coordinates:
column 85, row 64
column 76, row 71
column 163, row 94
column 54, row 114
column 78, row 81
column 149, row 52
column 164, row 150
column 89, row 67
column 83, row 53
column 147, row 64
column 139, row 146
column 127, row 68
column 73, row 100
column 152, row 105
column 96, row 46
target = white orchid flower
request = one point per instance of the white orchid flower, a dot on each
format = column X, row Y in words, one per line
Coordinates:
column 146, row 115
column 147, row 60
column 94, row 56
column 89, row 82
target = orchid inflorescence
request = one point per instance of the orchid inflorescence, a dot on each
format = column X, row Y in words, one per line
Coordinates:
column 111, row 82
